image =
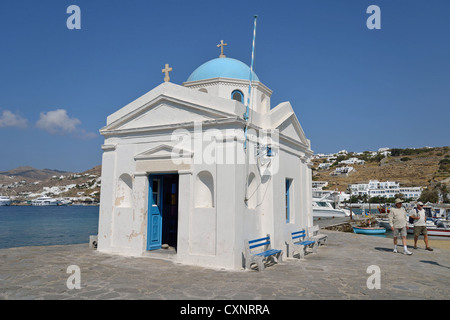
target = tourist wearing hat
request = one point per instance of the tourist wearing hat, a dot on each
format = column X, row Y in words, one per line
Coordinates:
column 398, row 220
column 420, row 225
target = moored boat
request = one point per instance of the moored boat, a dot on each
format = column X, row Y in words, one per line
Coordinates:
column 323, row 208
column 432, row 231
column 383, row 223
column 44, row 201
column 383, row 209
column 5, row 201
column 369, row 230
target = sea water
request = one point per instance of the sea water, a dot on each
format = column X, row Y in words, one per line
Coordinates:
column 47, row 225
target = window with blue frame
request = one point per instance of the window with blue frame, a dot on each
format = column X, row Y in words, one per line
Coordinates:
column 288, row 200
column 155, row 192
column 237, row 95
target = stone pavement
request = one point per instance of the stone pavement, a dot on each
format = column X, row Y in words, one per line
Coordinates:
column 337, row 271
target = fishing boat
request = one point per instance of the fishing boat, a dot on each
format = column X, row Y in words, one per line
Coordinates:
column 383, row 209
column 369, row 230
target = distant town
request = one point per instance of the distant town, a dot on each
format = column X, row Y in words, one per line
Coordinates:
column 24, row 185
column 412, row 174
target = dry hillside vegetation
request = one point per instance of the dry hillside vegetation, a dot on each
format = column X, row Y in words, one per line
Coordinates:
column 424, row 169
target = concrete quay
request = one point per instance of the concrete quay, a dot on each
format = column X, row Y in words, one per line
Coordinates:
column 339, row 271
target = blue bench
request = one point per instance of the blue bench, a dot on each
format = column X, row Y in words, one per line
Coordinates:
column 314, row 234
column 259, row 251
column 299, row 243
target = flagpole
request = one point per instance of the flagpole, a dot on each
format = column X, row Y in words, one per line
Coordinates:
column 246, row 115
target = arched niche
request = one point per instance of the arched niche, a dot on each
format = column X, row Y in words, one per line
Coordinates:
column 204, row 190
column 124, row 191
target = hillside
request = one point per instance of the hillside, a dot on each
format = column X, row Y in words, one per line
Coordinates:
column 25, row 183
column 424, row 167
column 30, row 173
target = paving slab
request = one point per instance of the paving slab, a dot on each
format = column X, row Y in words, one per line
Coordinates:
column 338, row 271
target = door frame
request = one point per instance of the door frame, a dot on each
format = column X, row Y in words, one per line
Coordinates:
column 154, row 219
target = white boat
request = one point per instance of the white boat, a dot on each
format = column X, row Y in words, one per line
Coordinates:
column 323, row 208
column 442, row 223
column 44, row 201
column 432, row 230
column 384, row 223
column 5, row 201
column 64, row 202
column 440, row 230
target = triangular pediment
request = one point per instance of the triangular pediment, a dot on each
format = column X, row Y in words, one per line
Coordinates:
column 164, row 112
column 291, row 128
column 168, row 106
column 283, row 119
column 164, row 151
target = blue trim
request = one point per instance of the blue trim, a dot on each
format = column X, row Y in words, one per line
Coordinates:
column 154, row 223
column 260, row 239
column 288, row 200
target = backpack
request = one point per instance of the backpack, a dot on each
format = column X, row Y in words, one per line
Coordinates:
column 411, row 219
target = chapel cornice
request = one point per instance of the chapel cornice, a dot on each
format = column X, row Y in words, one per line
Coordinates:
column 227, row 82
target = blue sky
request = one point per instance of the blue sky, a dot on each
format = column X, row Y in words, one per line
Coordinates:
column 352, row 88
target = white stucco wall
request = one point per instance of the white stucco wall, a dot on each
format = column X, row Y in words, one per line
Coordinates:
column 213, row 217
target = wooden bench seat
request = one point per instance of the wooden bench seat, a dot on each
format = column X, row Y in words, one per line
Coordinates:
column 313, row 234
column 298, row 243
column 259, row 251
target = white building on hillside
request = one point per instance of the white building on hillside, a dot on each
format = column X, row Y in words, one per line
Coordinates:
column 387, row 189
column 352, row 161
column 342, row 171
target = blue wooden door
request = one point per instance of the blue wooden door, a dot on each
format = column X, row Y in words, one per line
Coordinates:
column 155, row 202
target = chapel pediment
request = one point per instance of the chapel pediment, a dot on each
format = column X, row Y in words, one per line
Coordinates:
column 283, row 119
column 164, row 112
column 169, row 106
column 292, row 129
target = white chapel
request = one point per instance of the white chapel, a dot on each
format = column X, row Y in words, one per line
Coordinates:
column 189, row 168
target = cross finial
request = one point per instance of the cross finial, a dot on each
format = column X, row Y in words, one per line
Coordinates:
column 221, row 45
column 166, row 70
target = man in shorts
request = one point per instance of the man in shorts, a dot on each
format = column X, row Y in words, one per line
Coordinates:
column 397, row 220
column 420, row 225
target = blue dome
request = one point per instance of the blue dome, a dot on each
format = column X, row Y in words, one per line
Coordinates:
column 222, row 68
